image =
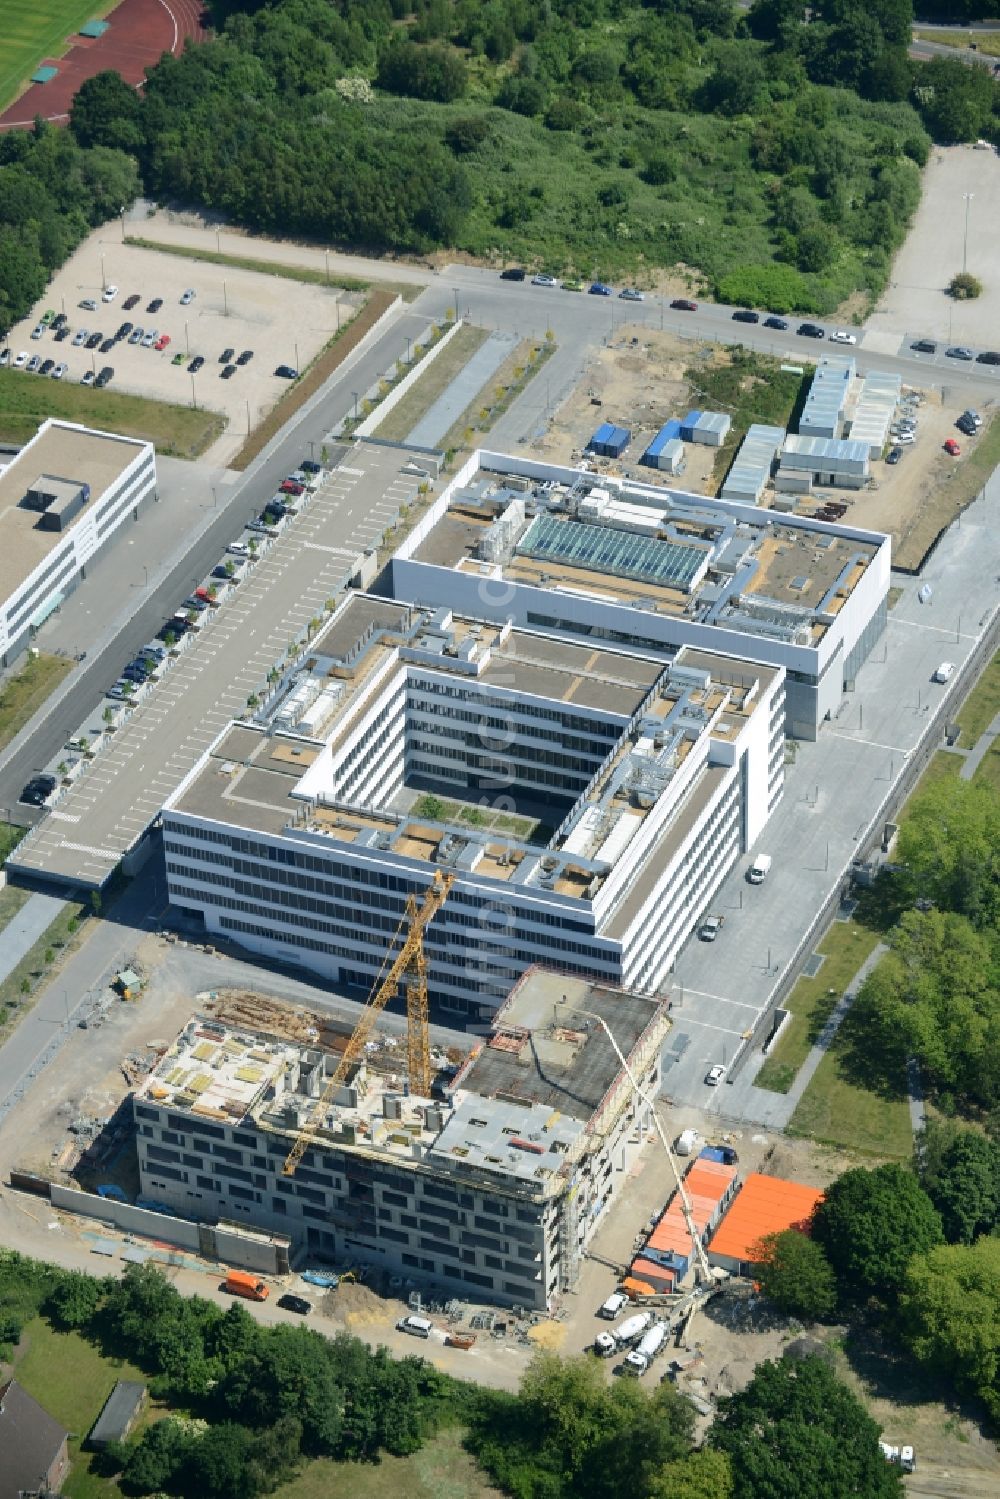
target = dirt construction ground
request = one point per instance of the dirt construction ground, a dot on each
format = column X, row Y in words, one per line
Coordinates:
column 636, row 382
column 282, row 321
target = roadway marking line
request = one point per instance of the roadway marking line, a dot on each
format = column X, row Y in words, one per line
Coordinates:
column 873, row 743
column 683, row 1019
column 704, row 994
column 918, row 624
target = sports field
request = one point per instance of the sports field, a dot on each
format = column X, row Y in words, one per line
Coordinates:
column 31, row 30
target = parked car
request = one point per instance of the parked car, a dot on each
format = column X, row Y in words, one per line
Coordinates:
column 632, row 294
column 952, row 447
column 195, row 364
column 132, row 301
column 228, row 372
column 34, row 364
column 990, row 357
column 161, row 342
column 513, row 273
column 572, row 285
column 810, row 330
column 38, row 330
column 107, row 345
column 944, row 672
column 775, row 322
column 193, row 602
column 600, row 289
column 710, row 928
column 743, row 315
column 136, row 336
column 681, row 304
column 959, row 352
column 88, row 377
column 285, row 372
column 187, row 297
column 972, row 418
column 965, row 426
column 924, row 346
column 715, row 1074
column 226, row 357
column 5, row 357
column 47, row 366
column 178, row 358
column 88, row 304
column 20, row 361
column 894, row 455
column 291, row 486
column 94, row 341
column 59, row 371
column 841, row 336
column 245, row 357
column 61, row 333
column 295, row 1304
column 155, row 304
column 58, row 321
column 149, row 337
column 109, row 294
column 47, row 318
column 105, row 376
column 38, row 790
column 311, row 466
column 903, row 438
column 124, row 329
column 544, row 279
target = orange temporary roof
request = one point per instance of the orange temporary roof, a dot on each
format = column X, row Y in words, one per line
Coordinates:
column 657, row 1277
column 764, row 1205
column 706, row 1184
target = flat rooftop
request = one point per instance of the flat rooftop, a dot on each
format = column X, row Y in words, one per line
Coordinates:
column 59, row 451
column 543, row 1052
column 647, row 546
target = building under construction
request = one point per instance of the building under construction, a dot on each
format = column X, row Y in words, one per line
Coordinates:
column 490, row 1189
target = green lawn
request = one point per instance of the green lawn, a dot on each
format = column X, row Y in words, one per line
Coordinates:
column 24, row 693
column 441, row 1470
column 846, row 945
column 71, row 1380
column 10, row 836
column 11, row 901
column 984, row 41
column 982, row 705
column 838, row 1111
column 989, row 769
column 441, row 371
column 35, row 29
column 178, row 431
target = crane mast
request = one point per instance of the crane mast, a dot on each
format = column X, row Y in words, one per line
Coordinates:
column 410, row 964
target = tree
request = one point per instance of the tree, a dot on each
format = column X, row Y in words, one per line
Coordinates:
column 106, row 111
column 796, row 1432
column 706, row 1474
column 965, row 287
column 950, row 1316
column 949, row 844
column 795, row 1274
column 157, row 1459
column 871, row 1223
column 422, row 72
column 74, row 1300
column 960, row 1171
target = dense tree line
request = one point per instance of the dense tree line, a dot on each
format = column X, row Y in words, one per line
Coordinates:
column 52, row 193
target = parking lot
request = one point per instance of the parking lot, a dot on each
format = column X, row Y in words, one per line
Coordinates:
column 279, row 321
column 119, row 793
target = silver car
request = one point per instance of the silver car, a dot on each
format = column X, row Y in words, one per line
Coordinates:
column 80, row 337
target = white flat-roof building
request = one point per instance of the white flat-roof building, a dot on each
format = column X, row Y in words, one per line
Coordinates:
column 491, row 1189
column 657, row 568
column 588, row 800
column 61, row 498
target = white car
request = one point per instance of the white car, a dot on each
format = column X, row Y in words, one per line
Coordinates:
column 59, row 371
column 20, row 361
column 841, row 336
column 5, row 356
column 88, row 377
column 149, row 339
column 543, row 280
column 714, row 1075
column 944, row 672
column 38, row 330
column 109, row 294
column 187, row 298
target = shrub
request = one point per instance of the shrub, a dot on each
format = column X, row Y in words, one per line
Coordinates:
column 779, row 287
column 964, row 287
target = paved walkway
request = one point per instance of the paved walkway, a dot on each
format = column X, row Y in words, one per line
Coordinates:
column 761, row 1105
column 977, row 754
column 915, row 1098
column 23, row 930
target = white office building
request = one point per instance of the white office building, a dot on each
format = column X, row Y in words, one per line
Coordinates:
column 655, row 568
column 588, row 799
column 61, row 498
column 489, row 1191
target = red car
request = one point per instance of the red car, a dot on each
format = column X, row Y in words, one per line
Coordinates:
column 162, row 341
column 952, row 447
column 683, row 305
column 291, row 486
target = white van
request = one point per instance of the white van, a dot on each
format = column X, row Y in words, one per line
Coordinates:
column 417, row 1327
column 759, row 869
column 615, row 1303
column 944, row 672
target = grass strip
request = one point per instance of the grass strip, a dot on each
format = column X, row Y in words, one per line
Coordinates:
column 177, row 431
column 326, row 363
column 309, row 275
column 509, row 382
column 986, row 42
column 23, row 694
column 846, row 945
column 981, row 706
column 419, row 399
column 40, row 963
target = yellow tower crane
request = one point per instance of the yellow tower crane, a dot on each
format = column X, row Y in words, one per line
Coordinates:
column 410, row 966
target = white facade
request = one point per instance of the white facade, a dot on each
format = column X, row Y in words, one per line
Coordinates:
column 819, row 632
column 40, row 565
column 490, row 1196
column 660, row 777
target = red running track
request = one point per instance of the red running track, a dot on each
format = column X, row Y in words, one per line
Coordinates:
column 139, row 33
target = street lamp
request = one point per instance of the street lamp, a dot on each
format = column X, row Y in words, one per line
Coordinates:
column 104, row 284
column 456, row 303
column 355, row 395
column 692, row 1227
column 965, row 245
